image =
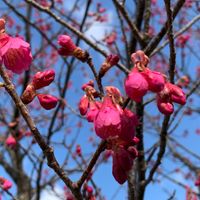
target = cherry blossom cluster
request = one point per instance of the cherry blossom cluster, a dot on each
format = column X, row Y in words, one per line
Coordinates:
column 99, row 15
column 142, row 79
column 16, row 55
column 114, row 124
column 40, row 80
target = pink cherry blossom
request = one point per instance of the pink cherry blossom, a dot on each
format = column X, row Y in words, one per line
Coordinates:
column 15, row 53
column 108, row 120
column 136, row 86
column 122, row 163
column 118, row 172
column 93, row 111
column 83, row 105
column 129, row 122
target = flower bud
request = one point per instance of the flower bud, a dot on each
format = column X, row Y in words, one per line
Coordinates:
column 11, row 142
column 78, row 150
column 155, row 80
column 47, row 101
column 132, row 151
column 43, row 79
column 136, row 86
column 184, row 81
column 29, row 94
column 197, row 182
column 176, row 93
column 7, row 185
column 67, row 45
column 122, row 163
column 165, row 107
column 90, row 83
column 89, row 189
column 135, row 140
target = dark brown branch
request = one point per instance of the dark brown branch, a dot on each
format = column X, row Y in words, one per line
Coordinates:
column 140, row 162
column 184, row 160
column 48, row 151
column 172, row 60
column 163, row 142
column 74, row 30
column 136, row 34
column 156, row 40
column 93, row 161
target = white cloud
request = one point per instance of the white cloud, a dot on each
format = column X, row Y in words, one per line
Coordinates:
column 56, row 194
column 97, row 31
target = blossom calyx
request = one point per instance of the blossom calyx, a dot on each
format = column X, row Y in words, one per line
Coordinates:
column 80, row 54
column 110, row 61
column 2, row 25
column 28, row 94
column 140, row 58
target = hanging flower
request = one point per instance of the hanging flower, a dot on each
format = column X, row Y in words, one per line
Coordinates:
column 16, row 53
